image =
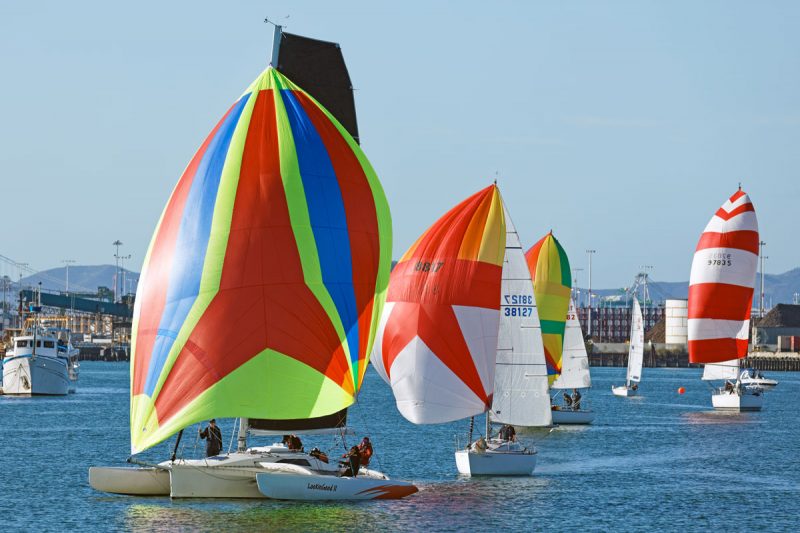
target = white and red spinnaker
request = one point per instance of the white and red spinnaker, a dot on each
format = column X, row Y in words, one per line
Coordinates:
column 721, row 283
column 437, row 339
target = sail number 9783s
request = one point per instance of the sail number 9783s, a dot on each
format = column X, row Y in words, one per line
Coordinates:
column 518, row 305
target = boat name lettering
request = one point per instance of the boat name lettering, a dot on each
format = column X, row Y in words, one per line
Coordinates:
column 427, row 266
column 322, row 486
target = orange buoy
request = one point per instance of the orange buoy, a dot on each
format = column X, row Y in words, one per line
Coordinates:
column 681, row 390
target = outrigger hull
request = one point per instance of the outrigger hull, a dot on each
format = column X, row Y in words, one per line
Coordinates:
column 130, row 481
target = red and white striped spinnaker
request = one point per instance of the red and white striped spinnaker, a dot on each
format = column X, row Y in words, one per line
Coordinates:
column 721, row 283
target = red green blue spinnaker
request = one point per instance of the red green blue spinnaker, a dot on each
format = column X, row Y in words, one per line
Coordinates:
column 266, row 275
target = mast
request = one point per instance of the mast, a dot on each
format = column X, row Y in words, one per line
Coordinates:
column 241, row 441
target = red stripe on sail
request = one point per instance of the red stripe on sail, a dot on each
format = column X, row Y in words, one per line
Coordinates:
column 725, row 215
column 455, row 282
column 153, row 291
column 738, row 194
column 720, row 300
column 743, row 240
column 717, row 350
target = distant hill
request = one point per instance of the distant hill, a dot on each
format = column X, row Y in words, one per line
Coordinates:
column 778, row 288
column 81, row 278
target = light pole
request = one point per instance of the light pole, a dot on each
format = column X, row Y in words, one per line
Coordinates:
column 590, row 253
column 761, row 245
column 67, row 262
column 116, row 244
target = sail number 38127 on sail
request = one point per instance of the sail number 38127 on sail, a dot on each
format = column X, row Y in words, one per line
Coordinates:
column 518, row 305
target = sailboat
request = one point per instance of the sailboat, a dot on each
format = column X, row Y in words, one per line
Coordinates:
column 258, row 300
column 575, row 372
column 442, row 327
column 720, row 300
column 552, row 287
column 635, row 355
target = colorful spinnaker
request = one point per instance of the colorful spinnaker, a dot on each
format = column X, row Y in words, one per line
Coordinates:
column 438, row 334
column 552, row 287
column 721, row 283
column 265, row 278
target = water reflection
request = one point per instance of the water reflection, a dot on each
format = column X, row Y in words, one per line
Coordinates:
column 718, row 417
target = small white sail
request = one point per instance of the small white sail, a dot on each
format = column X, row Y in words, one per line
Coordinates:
column 575, row 363
column 521, row 396
column 723, row 370
column 636, row 352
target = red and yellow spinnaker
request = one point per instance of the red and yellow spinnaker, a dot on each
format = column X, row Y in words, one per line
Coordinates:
column 437, row 340
column 552, row 285
column 265, row 278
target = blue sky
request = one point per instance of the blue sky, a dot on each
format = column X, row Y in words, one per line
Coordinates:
column 620, row 125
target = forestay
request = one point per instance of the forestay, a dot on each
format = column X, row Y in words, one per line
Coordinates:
column 575, row 372
column 521, row 386
column 265, row 277
column 721, row 283
column 438, row 334
column 636, row 350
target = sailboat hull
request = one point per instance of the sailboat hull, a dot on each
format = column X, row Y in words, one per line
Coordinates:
column 733, row 401
column 283, row 486
column 624, row 391
column 491, row 463
column 130, row 481
column 566, row 417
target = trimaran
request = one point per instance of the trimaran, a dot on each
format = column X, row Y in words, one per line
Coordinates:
column 261, row 292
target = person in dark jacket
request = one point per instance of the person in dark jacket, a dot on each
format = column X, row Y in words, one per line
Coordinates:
column 352, row 462
column 576, row 400
column 213, row 437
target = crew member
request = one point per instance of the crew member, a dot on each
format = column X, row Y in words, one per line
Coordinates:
column 365, row 451
column 213, row 437
column 576, row 400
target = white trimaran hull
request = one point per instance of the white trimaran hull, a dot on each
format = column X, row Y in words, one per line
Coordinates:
column 236, row 476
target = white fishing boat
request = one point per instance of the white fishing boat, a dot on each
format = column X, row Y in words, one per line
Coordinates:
column 575, row 374
column 724, row 270
column 635, row 355
column 452, row 323
column 41, row 361
column 754, row 378
column 278, row 230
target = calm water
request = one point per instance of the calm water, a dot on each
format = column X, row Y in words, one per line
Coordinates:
column 662, row 461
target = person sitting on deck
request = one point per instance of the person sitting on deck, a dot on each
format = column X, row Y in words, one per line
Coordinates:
column 295, row 444
column 567, row 400
column 213, row 437
column 635, row 386
column 351, row 463
column 728, row 386
column 576, row 400
column 479, row 445
column 365, row 451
